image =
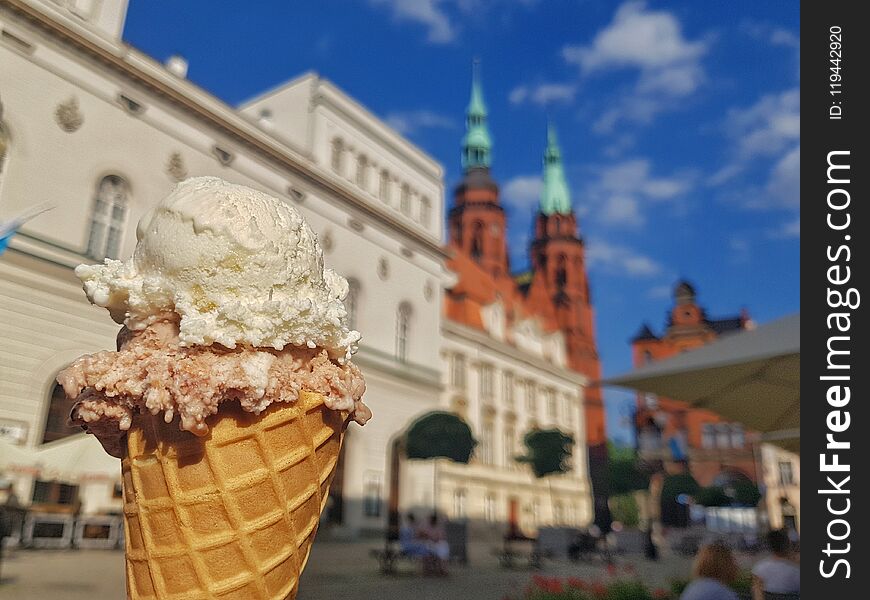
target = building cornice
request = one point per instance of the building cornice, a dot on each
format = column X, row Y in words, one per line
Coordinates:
column 144, row 71
column 327, row 94
column 468, row 334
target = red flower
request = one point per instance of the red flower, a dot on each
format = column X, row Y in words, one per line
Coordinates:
column 662, row 594
column 576, row 582
column 611, row 569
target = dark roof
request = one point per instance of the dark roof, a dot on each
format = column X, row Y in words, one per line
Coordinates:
column 684, row 286
column 721, row 326
column 645, row 333
column 477, row 178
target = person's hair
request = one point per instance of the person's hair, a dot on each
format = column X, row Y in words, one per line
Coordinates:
column 778, row 541
column 715, row 561
column 410, row 516
column 433, row 519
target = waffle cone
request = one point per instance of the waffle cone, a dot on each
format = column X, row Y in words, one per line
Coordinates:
column 231, row 515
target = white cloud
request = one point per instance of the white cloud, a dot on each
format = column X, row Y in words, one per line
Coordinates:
column 544, row 93
column 622, row 191
column 637, row 37
column 406, row 122
column 651, row 42
column 522, row 191
column 740, row 250
column 620, row 260
column 768, row 126
column 784, row 184
column 788, row 230
column 660, row 292
column 440, row 16
column 426, row 12
column 765, row 135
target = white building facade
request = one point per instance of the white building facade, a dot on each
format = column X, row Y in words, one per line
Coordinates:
column 102, row 132
column 505, row 390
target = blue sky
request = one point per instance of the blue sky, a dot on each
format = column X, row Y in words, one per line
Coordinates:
column 679, row 123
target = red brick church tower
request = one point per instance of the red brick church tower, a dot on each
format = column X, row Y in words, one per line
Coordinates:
column 560, row 281
column 555, row 291
column 557, row 253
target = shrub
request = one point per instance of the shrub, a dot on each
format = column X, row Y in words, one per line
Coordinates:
column 624, row 509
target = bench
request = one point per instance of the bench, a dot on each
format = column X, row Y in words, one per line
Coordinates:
column 509, row 556
column 388, row 557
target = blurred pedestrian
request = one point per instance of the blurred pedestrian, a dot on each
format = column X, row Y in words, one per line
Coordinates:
column 778, row 573
column 714, row 571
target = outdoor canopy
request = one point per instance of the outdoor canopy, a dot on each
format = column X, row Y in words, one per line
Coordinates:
column 752, row 377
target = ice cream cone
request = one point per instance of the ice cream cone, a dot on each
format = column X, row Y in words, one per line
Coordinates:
column 232, row 514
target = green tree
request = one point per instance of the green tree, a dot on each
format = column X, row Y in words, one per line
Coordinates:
column 625, row 474
column 547, row 451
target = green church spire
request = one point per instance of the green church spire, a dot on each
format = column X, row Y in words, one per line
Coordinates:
column 476, row 144
column 554, row 197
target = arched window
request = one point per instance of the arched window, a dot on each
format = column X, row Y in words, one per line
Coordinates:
column 477, row 241
column 384, row 189
column 56, row 418
column 108, row 218
column 405, row 200
column 561, row 271
column 403, row 331
column 362, row 171
column 337, row 154
column 351, row 302
column 425, row 211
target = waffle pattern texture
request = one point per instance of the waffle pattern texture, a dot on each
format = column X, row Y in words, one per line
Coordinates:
column 231, row 515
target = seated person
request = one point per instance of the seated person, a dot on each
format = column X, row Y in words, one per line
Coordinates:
column 779, row 573
column 435, row 535
column 409, row 538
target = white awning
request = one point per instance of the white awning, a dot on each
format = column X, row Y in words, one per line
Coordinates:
column 752, row 377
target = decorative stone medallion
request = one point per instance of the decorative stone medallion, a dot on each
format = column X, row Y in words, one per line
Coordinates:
column 383, row 268
column 68, row 115
column 175, row 167
column 428, row 290
column 326, row 242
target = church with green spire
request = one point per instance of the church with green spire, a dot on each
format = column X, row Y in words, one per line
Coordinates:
column 555, row 197
column 477, row 143
column 555, row 293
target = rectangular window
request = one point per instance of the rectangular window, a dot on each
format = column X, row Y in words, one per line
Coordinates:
column 384, row 189
column 405, row 200
column 362, row 171
column 509, row 447
column 486, row 375
column 459, row 496
column 738, row 437
column 558, row 513
column 425, row 211
column 723, row 435
column 786, row 475
column 508, row 392
column 53, row 492
column 42, row 492
column 531, row 398
column 486, row 441
column 708, row 436
column 457, row 371
column 372, row 495
column 552, row 407
column 489, row 508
